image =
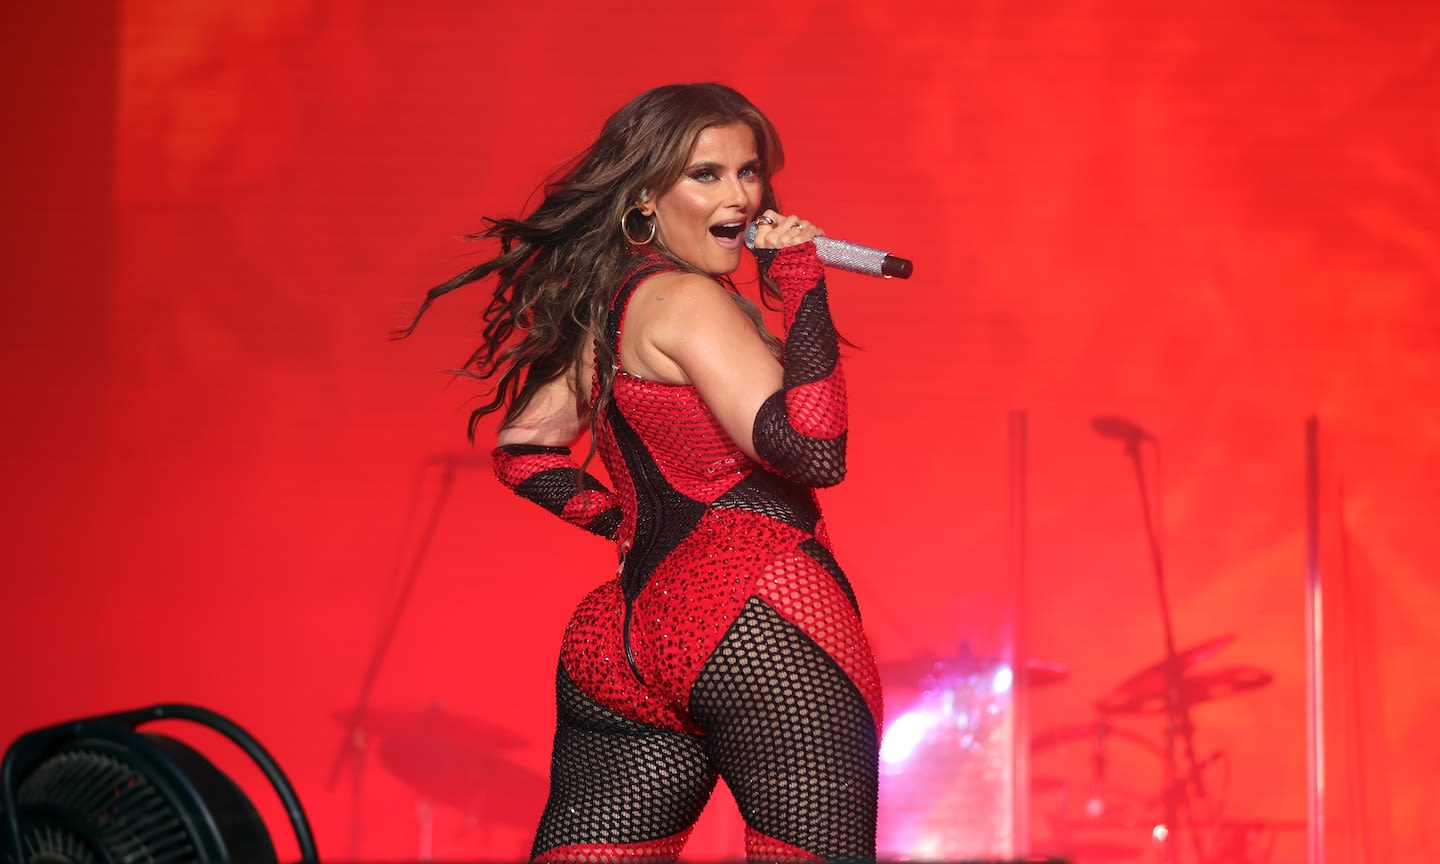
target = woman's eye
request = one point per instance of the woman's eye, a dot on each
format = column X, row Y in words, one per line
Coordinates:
column 704, row 175
column 749, row 171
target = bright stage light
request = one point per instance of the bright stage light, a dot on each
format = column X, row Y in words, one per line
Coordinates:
column 903, row 736
column 1003, row 680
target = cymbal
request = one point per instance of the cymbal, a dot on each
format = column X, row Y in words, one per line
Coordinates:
column 1152, row 677
column 923, row 670
column 1148, row 696
column 434, row 722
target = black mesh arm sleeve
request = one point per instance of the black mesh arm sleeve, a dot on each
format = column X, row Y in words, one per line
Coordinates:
column 548, row 476
column 800, row 430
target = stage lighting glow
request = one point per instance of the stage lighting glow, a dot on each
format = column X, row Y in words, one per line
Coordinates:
column 1003, row 680
column 929, row 847
column 903, row 736
column 941, row 763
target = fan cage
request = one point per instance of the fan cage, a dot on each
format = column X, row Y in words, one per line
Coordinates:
column 132, row 798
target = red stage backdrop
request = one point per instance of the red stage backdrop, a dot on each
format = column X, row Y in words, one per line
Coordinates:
column 1215, row 219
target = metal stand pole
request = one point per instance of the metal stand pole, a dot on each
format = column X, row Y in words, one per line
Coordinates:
column 1314, row 653
column 1020, row 730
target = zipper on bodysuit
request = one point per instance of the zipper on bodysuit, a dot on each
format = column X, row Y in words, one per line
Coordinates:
column 629, row 609
column 629, row 654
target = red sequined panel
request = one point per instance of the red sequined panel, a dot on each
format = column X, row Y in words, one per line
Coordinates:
column 687, row 443
column 594, row 654
column 689, row 447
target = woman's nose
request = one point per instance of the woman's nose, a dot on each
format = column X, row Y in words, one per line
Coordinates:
column 738, row 193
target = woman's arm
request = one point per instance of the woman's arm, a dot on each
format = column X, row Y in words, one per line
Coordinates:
column 802, row 429
column 791, row 416
column 532, row 457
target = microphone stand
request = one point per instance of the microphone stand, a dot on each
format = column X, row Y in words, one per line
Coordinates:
column 353, row 742
column 1177, row 711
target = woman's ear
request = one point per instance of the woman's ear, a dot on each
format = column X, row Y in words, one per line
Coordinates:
column 646, row 208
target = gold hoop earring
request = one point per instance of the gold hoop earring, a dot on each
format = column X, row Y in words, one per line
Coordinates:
column 625, row 228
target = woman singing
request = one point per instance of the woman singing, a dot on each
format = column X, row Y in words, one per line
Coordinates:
column 728, row 641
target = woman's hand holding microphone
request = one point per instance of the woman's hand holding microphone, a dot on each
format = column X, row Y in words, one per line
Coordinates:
column 774, row 231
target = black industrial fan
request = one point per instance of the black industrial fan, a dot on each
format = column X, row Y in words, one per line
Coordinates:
column 96, row 791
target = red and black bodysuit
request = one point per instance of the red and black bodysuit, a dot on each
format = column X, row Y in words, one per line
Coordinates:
column 730, row 642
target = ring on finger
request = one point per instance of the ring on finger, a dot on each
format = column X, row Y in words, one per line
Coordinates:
column 764, row 220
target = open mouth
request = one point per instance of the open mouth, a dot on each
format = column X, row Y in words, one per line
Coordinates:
column 727, row 230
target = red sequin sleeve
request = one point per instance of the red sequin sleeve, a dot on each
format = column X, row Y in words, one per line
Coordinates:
column 548, row 476
column 800, row 430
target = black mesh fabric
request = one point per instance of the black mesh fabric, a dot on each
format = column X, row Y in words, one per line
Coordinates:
column 664, row 515
column 792, row 737
column 811, row 356
column 613, row 780
column 764, row 493
column 812, row 347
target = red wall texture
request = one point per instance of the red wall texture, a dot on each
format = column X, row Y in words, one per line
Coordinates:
column 1215, row 219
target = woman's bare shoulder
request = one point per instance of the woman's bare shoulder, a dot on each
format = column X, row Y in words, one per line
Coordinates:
column 678, row 315
column 683, row 296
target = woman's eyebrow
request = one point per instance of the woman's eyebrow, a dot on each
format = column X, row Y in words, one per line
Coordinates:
column 714, row 166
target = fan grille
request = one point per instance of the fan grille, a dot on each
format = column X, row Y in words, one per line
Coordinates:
column 109, row 805
column 46, row 845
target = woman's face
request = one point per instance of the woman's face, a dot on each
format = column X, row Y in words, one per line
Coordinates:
column 702, row 218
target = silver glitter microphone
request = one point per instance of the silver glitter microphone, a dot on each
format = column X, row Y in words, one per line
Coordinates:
column 852, row 257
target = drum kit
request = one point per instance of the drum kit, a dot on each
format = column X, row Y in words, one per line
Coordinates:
column 943, row 760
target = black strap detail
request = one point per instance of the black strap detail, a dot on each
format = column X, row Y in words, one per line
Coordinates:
column 622, row 298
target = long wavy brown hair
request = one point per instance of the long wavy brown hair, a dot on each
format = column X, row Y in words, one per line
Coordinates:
column 559, row 267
